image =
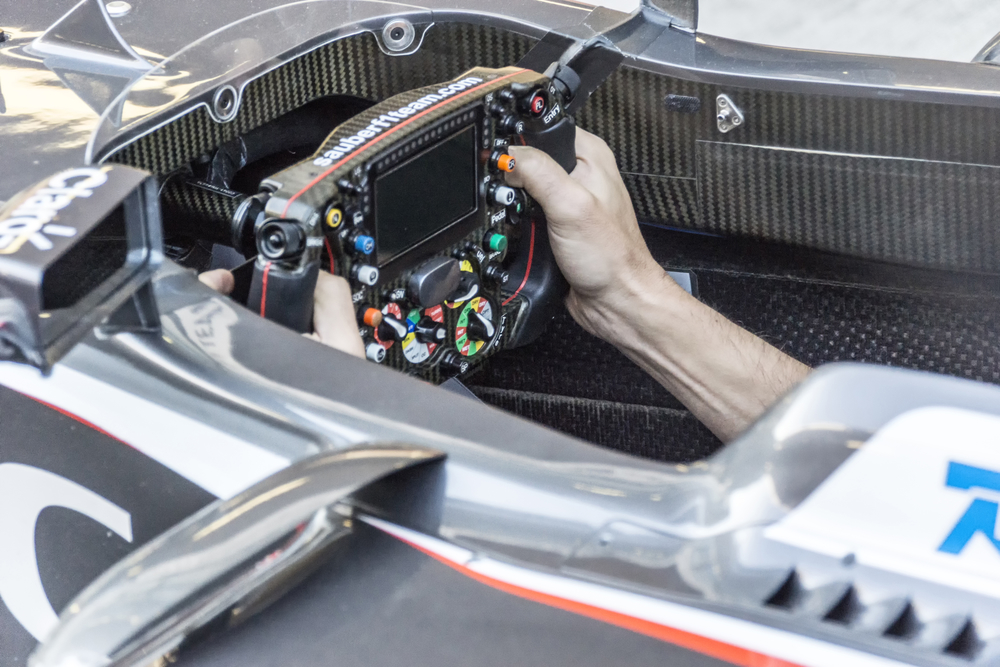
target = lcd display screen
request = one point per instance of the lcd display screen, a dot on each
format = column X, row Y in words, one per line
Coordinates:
column 425, row 194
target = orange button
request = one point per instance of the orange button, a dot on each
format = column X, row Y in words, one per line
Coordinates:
column 372, row 317
column 505, row 163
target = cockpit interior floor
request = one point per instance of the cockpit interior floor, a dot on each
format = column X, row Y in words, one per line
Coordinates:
column 817, row 307
column 652, row 432
column 578, row 384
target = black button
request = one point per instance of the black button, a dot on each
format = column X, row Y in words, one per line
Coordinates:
column 433, row 281
column 452, row 362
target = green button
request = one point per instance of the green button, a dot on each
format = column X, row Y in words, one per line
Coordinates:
column 498, row 242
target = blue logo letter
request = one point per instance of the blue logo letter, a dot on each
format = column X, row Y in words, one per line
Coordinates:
column 981, row 517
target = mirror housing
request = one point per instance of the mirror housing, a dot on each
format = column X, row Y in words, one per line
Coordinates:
column 77, row 250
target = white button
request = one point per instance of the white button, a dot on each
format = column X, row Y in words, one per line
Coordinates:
column 503, row 196
column 367, row 275
column 375, row 352
column 118, row 8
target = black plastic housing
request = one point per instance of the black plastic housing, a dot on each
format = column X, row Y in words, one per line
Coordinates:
column 75, row 251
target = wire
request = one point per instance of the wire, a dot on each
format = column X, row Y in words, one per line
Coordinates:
column 527, row 271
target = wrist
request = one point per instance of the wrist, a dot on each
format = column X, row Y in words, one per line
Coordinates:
column 621, row 313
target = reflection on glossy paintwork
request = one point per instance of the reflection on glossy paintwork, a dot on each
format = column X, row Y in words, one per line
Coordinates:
column 37, row 101
column 41, row 120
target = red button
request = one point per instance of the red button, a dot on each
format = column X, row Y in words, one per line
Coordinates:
column 537, row 105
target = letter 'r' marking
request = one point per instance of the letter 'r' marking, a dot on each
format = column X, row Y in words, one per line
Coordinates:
column 981, row 517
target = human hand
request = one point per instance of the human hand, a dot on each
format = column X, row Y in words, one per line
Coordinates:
column 724, row 374
column 593, row 230
column 334, row 321
column 333, row 310
column 220, row 280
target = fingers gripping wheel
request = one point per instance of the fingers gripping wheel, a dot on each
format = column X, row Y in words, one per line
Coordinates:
column 408, row 202
column 285, row 272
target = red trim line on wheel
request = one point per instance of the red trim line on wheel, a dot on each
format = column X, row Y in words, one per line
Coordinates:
column 388, row 132
column 527, row 271
column 329, row 253
column 263, row 288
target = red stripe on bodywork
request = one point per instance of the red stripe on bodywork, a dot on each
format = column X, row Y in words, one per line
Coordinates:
column 72, row 416
column 704, row 645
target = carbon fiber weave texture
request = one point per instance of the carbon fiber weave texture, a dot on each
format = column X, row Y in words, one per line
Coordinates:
column 568, row 361
column 931, row 215
column 866, row 126
column 820, row 322
column 663, row 434
column 628, row 112
column 938, row 214
column 664, row 200
column 351, row 66
column 197, row 212
column 886, row 314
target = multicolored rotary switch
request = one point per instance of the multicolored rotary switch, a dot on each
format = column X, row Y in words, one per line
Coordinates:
column 475, row 328
column 426, row 332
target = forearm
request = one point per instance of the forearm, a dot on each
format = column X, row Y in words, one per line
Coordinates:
column 724, row 374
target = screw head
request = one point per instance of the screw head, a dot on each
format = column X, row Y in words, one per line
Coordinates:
column 398, row 35
column 224, row 103
column 118, row 8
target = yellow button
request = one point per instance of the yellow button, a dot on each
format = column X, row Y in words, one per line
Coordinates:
column 334, row 217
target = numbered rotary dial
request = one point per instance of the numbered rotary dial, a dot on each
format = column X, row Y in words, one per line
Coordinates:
column 426, row 331
column 476, row 326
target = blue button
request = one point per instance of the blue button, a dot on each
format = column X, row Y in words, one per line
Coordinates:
column 365, row 244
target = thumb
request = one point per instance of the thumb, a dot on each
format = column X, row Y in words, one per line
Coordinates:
column 219, row 279
column 546, row 182
column 333, row 315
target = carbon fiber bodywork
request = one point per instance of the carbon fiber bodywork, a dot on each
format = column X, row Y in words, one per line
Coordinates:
column 920, row 212
column 351, row 66
column 933, row 203
column 679, row 168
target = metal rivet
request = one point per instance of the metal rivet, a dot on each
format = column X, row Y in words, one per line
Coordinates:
column 225, row 103
column 118, row 8
column 398, row 35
